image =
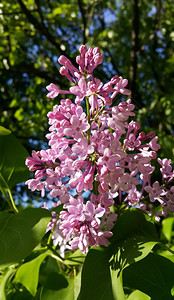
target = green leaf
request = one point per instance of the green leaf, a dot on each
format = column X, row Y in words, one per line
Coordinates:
column 134, row 236
column 153, row 276
column 49, row 265
column 57, row 11
column 21, row 294
column 4, row 281
column 12, row 161
column 134, row 222
column 117, row 285
column 57, row 209
column 4, row 131
column 167, row 253
column 132, row 250
column 75, row 259
column 20, row 233
column 167, row 226
column 138, row 295
column 96, row 277
column 61, row 287
column 28, row 273
column 19, row 114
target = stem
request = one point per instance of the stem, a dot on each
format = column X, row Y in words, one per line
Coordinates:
column 95, row 187
column 53, row 251
column 166, row 248
column 89, row 120
column 120, row 196
column 5, row 196
column 4, row 191
column 99, row 112
column 50, row 236
column 12, row 202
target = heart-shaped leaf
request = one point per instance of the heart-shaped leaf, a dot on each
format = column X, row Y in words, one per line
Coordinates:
column 28, row 273
column 20, row 233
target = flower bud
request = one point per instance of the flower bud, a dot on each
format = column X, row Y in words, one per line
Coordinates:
column 83, row 50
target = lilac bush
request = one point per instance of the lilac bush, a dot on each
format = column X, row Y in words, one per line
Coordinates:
column 99, row 148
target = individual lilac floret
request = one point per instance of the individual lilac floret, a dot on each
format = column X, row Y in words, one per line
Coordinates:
column 155, row 192
column 54, row 91
column 166, row 169
column 170, row 194
column 133, row 197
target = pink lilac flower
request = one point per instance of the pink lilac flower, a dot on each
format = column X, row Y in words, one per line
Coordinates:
column 80, row 90
column 155, row 192
column 133, row 196
column 82, row 149
column 166, row 169
column 153, row 144
column 97, row 149
column 131, row 142
column 170, row 194
column 80, row 224
column 54, row 91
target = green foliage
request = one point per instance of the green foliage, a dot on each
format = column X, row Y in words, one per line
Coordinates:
column 12, row 166
column 4, row 131
column 4, row 281
column 21, row 233
column 153, row 275
column 61, row 287
column 12, row 159
column 137, row 295
column 96, row 277
column 128, row 263
column 28, row 273
column 75, row 258
column 133, row 239
column 167, row 228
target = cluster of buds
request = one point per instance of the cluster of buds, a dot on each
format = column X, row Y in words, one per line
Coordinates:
column 96, row 150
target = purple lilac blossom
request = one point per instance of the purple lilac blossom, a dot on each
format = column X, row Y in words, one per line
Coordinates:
column 97, row 150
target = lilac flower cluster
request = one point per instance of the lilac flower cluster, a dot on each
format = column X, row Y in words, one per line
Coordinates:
column 95, row 149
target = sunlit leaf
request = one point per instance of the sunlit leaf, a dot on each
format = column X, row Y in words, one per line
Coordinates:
column 12, row 161
column 20, row 233
column 167, row 226
column 28, row 273
column 75, row 259
column 134, row 236
column 4, row 281
column 4, row 131
column 138, row 295
column 96, row 277
column 153, row 276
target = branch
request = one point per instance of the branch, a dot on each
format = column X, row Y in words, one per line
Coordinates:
column 154, row 64
column 41, row 27
column 40, row 12
column 83, row 13
column 15, row 12
column 134, row 49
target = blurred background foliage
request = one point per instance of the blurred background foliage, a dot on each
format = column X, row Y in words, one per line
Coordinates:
column 137, row 41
